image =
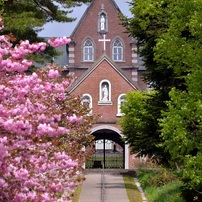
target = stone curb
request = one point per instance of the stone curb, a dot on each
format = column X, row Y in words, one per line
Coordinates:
column 144, row 199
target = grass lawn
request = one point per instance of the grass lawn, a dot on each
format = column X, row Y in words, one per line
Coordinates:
column 131, row 188
column 77, row 194
column 168, row 193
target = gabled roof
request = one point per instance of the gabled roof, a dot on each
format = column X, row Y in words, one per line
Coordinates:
column 95, row 65
column 87, row 10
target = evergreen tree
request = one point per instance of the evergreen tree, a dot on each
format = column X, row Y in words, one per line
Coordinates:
column 25, row 18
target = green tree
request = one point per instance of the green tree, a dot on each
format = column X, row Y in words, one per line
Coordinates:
column 140, row 126
column 169, row 34
column 180, row 49
column 25, row 18
column 182, row 130
column 151, row 20
column 139, row 123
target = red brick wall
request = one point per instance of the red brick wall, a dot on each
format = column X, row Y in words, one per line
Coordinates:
column 89, row 28
column 91, row 86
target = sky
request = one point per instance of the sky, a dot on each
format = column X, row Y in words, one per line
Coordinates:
column 56, row 29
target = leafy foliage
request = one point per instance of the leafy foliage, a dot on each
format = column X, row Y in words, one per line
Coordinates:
column 151, row 20
column 139, row 115
column 181, row 123
column 169, row 35
column 182, row 130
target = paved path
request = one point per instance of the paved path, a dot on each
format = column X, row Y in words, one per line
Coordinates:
column 103, row 188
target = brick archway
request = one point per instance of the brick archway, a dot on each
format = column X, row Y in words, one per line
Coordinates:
column 109, row 149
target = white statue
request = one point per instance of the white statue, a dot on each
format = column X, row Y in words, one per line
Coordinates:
column 102, row 23
column 105, row 93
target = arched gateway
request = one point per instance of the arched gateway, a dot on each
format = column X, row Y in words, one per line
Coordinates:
column 110, row 150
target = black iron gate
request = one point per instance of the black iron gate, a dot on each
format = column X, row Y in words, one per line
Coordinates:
column 107, row 154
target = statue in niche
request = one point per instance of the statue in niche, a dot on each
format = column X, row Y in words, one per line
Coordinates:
column 102, row 22
column 105, row 93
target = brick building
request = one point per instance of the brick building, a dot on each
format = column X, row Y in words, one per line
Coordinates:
column 103, row 58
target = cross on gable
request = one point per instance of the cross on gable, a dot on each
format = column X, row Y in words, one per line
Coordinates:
column 104, row 40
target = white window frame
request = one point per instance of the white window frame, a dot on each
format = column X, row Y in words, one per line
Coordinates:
column 117, row 50
column 90, row 104
column 119, row 113
column 88, row 50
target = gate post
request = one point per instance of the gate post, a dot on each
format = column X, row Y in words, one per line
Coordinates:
column 126, row 156
column 104, row 150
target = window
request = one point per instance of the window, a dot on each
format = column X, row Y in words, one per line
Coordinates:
column 88, row 50
column 87, row 102
column 121, row 100
column 117, row 51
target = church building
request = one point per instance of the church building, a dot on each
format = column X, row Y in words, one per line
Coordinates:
column 103, row 58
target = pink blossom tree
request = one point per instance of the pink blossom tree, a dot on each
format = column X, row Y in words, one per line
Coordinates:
column 42, row 129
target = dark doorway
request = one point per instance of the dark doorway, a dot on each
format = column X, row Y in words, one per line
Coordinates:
column 109, row 150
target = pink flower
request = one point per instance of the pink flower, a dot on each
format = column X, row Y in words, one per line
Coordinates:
column 4, row 140
column 62, row 130
column 59, row 41
column 74, row 119
column 53, row 74
column 31, row 196
column 71, row 185
column 42, row 118
column 46, row 198
column 32, row 166
column 45, row 129
column 3, row 183
column 21, row 174
column 48, row 87
column 57, row 117
column 69, row 163
column 3, row 153
column 57, row 187
column 19, row 197
column 60, row 156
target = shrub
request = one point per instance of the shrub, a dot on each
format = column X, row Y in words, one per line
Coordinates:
column 161, row 185
column 162, row 178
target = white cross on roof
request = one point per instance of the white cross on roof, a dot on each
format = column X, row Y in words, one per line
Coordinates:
column 104, row 40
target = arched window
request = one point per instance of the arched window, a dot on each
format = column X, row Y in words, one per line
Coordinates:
column 120, row 101
column 117, row 50
column 88, row 50
column 87, row 102
column 105, row 92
